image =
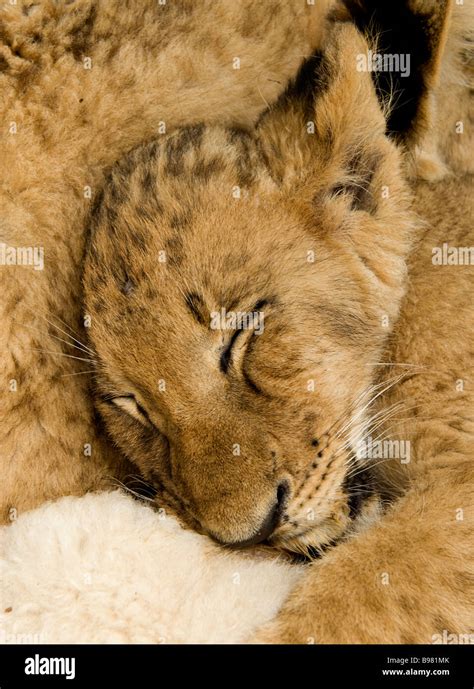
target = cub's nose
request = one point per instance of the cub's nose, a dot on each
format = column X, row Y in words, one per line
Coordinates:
column 270, row 522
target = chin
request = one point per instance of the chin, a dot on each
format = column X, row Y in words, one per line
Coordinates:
column 312, row 542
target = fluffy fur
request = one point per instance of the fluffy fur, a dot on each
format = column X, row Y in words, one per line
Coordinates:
column 106, row 569
column 150, row 320
column 410, row 577
column 338, row 189
column 83, row 82
column 329, row 322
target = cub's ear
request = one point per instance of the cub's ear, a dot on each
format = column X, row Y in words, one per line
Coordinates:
column 375, row 74
column 325, row 146
column 406, row 40
column 327, row 131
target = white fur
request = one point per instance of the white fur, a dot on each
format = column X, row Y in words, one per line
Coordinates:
column 105, row 568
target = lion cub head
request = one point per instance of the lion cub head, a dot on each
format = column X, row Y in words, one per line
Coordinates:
column 241, row 286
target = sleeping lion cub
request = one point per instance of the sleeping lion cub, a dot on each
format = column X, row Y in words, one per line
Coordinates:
column 268, row 299
column 82, row 83
column 256, row 342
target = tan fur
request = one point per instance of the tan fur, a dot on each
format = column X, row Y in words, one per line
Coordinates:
column 63, row 124
column 172, row 240
column 447, row 142
column 178, row 199
column 407, row 577
column 410, row 578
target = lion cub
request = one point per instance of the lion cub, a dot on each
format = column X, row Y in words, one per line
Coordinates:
column 300, row 234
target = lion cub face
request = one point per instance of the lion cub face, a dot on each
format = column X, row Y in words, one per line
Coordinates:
column 238, row 308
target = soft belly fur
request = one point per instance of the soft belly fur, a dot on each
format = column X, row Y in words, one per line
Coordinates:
column 138, row 579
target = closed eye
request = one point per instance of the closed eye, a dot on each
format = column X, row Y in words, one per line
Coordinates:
column 226, row 354
column 129, row 404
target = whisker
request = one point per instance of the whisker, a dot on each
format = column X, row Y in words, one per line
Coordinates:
column 90, row 351
column 372, row 466
column 46, row 334
column 366, row 391
column 384, row 435
column 78, row 373
column 384, row 417
column 346, row 425
column 69, row 356
column 372, row 424
column 386, row 386
column 136, row 479
column 122, row 485
column 376, row 419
